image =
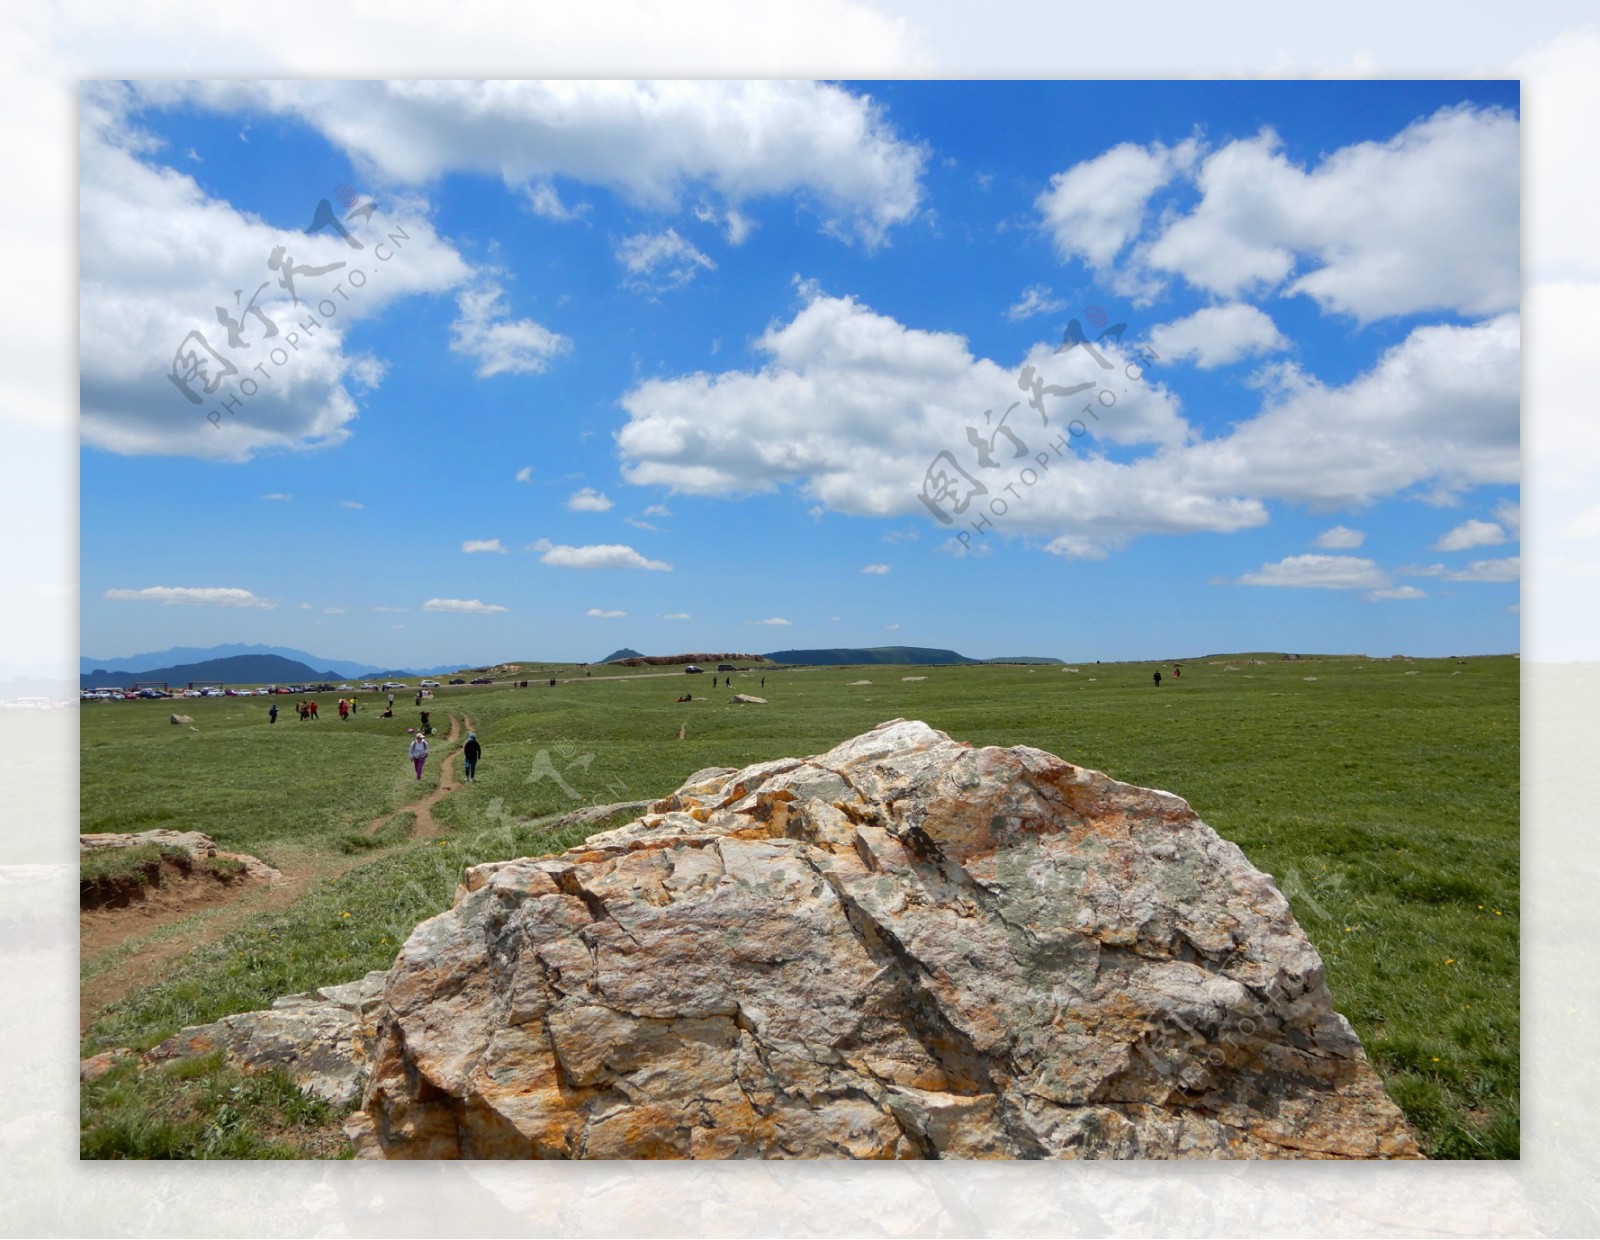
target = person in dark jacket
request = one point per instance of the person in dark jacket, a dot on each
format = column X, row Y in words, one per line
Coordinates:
column 472, row 751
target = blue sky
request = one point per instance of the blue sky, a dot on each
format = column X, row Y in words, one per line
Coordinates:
column 672, row 366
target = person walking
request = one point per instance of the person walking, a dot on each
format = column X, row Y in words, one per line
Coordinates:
column 272, row 713
column 391, row 701
column 419, row 752
column 472, row 751
column 1158, row 680
column 344, row 709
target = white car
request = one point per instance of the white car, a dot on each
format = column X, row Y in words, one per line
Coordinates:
column 429, row 684
column 395, row 684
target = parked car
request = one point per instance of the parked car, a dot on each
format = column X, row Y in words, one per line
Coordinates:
column 482, row 680
column 371, row 686
column 692, row 670
column 395, row 684
column 429, row 684
column 459, row 681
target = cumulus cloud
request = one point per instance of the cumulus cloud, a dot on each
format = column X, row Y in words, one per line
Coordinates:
column 661, row 261
column 200, row 596
column 604, row 555
column 1425, row 221
column 155, row 320
column 475, row 545
column 776, row 621
column 859, row 411
column 350, row 503
column 465, row 605
column 587, row 499
column 877, row 569
column 1036, row 299
column 1217, row 336
column 651, row 142
column 676, row 615
column 278, row 495
column 640, row 525
column 500, row 345
column 525, row 474
column 1471, row 534
column 599, row 614
column 1321, row 572
column 1093, row 209
column 658, row 510
column 1339, row 538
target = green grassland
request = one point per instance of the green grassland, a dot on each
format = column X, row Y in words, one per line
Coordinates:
column 1382, row 795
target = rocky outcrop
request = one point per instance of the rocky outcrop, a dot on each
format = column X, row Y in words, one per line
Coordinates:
column 319, row 1038
column 902, row 948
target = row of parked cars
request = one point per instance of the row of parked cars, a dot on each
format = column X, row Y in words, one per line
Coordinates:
column 121, row 694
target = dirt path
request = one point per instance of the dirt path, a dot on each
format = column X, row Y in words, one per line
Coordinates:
column 135, row 948
column 424, row 826
column 203, row 917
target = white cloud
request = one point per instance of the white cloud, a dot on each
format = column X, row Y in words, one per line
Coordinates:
column 1509, row 513
column 604, row 615
column 353, row 504
column 605, row 555
column 1507, row 568
column 1471, row 534
column 661, row 261
column 201, row 596
column 1396, row 592
column 1093, row 209
column 474, row 545
column 909, row 534
column 1323, row 572
column 1425, row 221
column 1077, row 547
column 278, row 495
column 854, row 409
column 774, row 620
column 543, row 200
column 501, row 345
column 464, row 605
column 525, row 474
column 1036, row 299
column 736, row 226
column 1339, row 538
column 1585, row 525
column 891, row 627
column 333, row 611
column 878, row 569
column 142, row 294
column 1217, row 336
column 390, row 609
column 676, row 615
column 658, row 510
column 640, row 525
column 588, row 499
column 648, row 141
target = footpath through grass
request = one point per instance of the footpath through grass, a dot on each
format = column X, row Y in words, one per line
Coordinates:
column 1382, row 795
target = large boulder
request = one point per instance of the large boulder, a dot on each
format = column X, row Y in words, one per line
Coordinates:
column 902, row 948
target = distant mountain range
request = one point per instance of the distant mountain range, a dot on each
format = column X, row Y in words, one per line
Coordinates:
column 265, row 665
column 154, row 665
column 887, row 654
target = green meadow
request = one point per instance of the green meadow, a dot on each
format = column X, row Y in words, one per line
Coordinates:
column 1382, row 795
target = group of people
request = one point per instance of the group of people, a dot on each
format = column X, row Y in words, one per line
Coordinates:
column 470, row 753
